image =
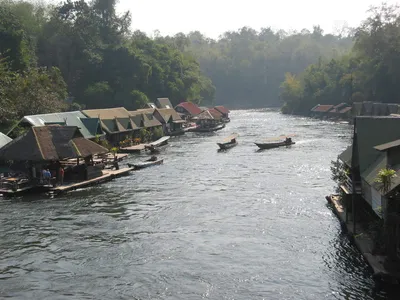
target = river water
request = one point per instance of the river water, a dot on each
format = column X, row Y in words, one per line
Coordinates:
column 205, row 225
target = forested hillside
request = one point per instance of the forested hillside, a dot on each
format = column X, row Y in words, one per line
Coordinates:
column 247, row 66
column 85, row 52
column 370, row 72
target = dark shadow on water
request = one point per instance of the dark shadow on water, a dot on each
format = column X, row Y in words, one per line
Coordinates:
column 353, row 278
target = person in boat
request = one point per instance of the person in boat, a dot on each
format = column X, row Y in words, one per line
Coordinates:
column 288, row 141
column 153, row 158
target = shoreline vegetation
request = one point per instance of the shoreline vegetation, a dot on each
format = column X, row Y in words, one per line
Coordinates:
column 82, row 55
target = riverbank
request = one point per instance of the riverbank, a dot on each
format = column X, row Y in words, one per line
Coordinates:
column 364, row 242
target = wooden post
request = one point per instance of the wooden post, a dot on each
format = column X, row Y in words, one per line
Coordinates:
column 353, row 200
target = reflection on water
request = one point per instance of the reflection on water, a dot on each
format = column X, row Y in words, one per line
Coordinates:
column 240, row 224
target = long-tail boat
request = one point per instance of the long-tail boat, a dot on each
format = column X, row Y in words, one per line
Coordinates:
column 228, row 142
column 147, row 163
column 281, row 141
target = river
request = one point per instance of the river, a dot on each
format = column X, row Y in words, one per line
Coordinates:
column 205, row 225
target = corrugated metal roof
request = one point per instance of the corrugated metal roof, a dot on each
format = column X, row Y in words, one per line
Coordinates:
column 190, row 107
column 71, row 118
column 4, row 140
column 45, row 143
column 222, row 109
column 215, row 113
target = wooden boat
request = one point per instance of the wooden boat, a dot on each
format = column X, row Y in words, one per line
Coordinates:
column 15, row 186
column 148, row 163
column 228, row 142
column 209, row 129
column 281, row 141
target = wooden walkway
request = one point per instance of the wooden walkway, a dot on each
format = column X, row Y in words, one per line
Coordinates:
column 132, row 149
column 107, row 176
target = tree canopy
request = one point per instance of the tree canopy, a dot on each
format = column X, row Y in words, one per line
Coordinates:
column 85, row 51
column 370, row 71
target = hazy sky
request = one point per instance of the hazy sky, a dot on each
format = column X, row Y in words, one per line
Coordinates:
column 213, row 17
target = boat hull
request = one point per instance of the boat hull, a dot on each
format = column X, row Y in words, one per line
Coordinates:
column 273, row 145
column 209, row 129
column 146, row 164
column 225, row 146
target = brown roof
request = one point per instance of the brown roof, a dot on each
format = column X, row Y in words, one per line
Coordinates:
column 322, row 108
column 167, row 113
column 107, row 113
column 146, row 116
column 45, row 143
column 190, row 107
column 215, row 113
column 205, row 115
column 222, row 109
column 145, row 110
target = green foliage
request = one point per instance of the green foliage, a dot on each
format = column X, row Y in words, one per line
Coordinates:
column 158, row 133
column 145, row 135
column 139, row 99
column 248, row 66
column 385, row 178
column 338, row 173
column 369, row 72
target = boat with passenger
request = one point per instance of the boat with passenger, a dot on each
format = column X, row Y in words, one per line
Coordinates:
column 281, row 141
column 228, row 142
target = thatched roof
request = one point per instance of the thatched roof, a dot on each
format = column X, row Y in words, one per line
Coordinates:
column 205, row 115
column 145, row 118
column 45, row 143
column 107, row 113
column 168, row 114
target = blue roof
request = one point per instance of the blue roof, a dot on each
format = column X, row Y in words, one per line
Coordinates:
column 88, row 129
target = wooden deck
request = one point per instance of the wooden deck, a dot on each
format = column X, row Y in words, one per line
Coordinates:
column 133, row 149
column 107, row 176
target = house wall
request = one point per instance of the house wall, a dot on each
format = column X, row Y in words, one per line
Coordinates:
column 372, row 197
column 393, row 155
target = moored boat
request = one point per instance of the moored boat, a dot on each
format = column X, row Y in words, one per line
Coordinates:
column 228, row 142
column 281, row 141
column 148, row 163
column 209, row 129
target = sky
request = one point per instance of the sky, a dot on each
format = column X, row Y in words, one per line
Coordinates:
column 214, row 17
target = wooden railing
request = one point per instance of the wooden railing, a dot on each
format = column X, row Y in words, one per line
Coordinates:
column 348, row 183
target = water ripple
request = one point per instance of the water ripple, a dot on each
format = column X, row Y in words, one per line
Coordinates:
column 235, row 225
